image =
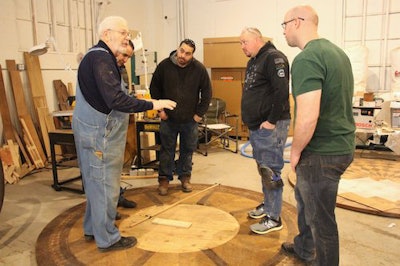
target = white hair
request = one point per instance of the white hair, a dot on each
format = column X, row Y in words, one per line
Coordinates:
column 111, row 22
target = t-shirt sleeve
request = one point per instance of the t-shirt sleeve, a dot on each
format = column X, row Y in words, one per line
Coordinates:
column 307, row 76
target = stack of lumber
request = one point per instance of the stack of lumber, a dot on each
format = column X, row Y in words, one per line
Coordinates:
column 28, row 148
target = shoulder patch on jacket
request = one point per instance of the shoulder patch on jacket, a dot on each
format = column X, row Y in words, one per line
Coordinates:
column 280, row 67
column 281, row 73
column 279, row 60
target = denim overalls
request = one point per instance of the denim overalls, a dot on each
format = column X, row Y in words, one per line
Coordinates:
column 100, row 142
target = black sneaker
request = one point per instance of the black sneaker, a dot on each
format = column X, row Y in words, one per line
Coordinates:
column 123, row 243
column 288, row 249
column 89, row 237
column 126, row 203
column 118, row 216
column 257, row 212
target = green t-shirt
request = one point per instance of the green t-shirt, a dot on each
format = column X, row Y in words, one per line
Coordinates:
column 324, row 66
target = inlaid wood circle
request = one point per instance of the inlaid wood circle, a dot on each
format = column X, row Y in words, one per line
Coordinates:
column 219, row 233
column 209, row 228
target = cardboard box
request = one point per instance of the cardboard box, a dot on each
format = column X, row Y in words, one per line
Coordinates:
column 224, row 52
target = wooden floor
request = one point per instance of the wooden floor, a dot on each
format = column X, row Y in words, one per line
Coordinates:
column 218, row 233
column 371, row 184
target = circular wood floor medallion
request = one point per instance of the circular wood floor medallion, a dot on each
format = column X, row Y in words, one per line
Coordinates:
column 218, row 233
column 209, row 228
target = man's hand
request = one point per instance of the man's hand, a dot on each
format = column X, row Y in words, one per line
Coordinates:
column 161, row 104
column 163, row 115
column 294, row 160
column 267, row 125
column 197, row 118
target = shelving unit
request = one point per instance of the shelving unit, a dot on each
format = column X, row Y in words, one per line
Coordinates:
column 146, row 126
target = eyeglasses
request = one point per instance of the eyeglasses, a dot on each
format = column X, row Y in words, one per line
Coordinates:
column 123, row 33
column 286, row 22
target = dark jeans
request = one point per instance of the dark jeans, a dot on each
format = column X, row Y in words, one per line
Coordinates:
column 188, row 138
column 316, row 190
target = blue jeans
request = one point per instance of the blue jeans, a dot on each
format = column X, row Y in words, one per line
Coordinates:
column 268, row 146
column 188, row 138
column 315, row 191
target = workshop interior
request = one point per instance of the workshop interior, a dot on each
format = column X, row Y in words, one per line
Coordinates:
column 42, row 198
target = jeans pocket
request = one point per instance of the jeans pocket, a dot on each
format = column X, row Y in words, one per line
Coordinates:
column 97, row 172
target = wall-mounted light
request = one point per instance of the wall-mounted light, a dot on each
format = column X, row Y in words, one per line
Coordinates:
column 42, row 48
column 39, row 49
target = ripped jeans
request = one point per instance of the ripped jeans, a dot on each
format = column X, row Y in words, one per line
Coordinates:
column 268, row 146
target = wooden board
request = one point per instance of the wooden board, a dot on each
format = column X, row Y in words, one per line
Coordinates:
column 155, row 175
column 34, row 73
column 16, row 83
column 5, row 111
column 23, row 150
column 42, row 114
column 171, row 222
column 62, row 95
column 30, row 142
column 22, row 109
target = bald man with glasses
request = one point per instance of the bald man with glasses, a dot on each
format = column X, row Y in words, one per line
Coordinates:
column 324, row 135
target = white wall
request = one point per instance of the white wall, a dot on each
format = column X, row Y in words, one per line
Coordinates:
column 219, row 18
column 158, row 21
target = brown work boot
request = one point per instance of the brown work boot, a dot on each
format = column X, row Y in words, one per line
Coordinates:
column 186, row 186
column 163, row 185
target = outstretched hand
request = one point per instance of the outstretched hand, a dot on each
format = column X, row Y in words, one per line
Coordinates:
column 161, row 104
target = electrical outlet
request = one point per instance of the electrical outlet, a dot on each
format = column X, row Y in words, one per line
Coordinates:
column 20, row 67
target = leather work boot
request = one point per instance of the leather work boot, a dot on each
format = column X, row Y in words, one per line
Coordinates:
column 163, row 186
column 186, row 186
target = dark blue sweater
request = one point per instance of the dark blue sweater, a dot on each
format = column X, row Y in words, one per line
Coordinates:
column 99, row 80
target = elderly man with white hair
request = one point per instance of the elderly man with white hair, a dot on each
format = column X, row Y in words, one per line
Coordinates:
column 100, row 124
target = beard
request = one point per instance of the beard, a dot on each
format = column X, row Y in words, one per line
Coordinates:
column 182, row 61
